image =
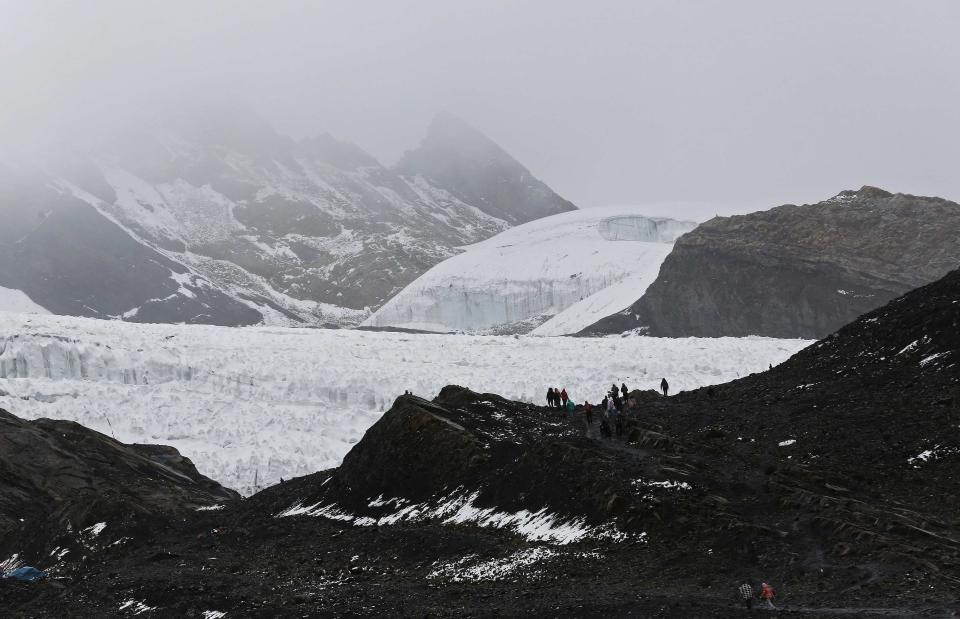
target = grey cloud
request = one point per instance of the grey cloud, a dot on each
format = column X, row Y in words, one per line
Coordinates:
column 722, row 106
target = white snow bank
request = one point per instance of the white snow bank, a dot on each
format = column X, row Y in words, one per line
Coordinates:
column 459, row 508
column 472, row 569
column 12, row 300
column 533, row 272
column 252, row 405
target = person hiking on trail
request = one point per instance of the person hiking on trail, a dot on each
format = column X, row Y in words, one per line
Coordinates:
column 613, row 390
column 564, row 397
column 556, row 397
column 617, row 402
column 767, row 595
column 603, row 405
column 570, row 406
column 611, row 407
column 624, row 391
column 664, row 386
column 746, row 595
column 588, row 412
column 550, row 397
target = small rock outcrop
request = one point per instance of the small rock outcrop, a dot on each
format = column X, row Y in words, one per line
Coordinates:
column 796, row 271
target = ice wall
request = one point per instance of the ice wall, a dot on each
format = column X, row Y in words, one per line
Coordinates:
column 535, row 271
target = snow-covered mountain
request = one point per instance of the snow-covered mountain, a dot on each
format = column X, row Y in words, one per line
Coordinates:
column 219, row 219
column 552, row 276
column 252, row 405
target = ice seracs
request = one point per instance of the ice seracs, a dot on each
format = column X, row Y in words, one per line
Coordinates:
column 251, row 405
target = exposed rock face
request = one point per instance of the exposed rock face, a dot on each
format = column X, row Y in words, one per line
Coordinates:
column 462, row 161
column 796, row 271
column 58, row 476
column 221, row 220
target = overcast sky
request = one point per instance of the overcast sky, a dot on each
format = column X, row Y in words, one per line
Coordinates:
column 720, row 105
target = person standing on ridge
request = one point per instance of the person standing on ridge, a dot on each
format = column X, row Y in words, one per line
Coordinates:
column 767, row 595
column 623, row 390
column 588, row 412
column 564, row 397
column 550, row 397
column 664, row 386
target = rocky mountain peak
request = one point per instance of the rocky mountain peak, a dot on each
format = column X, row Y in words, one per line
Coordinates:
column 463, row 161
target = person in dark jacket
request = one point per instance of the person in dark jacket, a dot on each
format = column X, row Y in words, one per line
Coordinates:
column 624, row 391
column 588, row 412
column 550, row 397
column 619, row 425
column 664, row 386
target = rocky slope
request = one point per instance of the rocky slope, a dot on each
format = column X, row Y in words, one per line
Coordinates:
column 796, row 271
column 221, row 220
column 833, row 476
column 60, row 480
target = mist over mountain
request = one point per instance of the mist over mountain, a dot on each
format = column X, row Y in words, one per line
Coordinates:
column 217, row 218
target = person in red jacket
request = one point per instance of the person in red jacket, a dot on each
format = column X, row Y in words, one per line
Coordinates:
column 767, row 594
column 564, row 397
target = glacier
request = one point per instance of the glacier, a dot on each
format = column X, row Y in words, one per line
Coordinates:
column 525, row 278
column 253, row 405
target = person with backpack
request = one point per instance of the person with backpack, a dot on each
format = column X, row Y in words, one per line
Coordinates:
column 664, row 386
column 767, row 595
column 746, row 595
column 564, row 397
column 624, row 391
column 549, row 397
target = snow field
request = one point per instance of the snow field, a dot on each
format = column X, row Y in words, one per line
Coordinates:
column 252, row 405
column 13, row 300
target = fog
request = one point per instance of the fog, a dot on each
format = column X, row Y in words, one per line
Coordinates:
column 717, row 106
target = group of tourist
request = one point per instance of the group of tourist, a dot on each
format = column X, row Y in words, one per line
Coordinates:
column 558, row 398
column 613, row 408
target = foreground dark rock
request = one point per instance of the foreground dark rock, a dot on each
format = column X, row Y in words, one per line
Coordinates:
column 832, row 476
column 58, row 478
column 796, row 271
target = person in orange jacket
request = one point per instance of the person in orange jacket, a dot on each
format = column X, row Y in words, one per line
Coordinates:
column 767, row 594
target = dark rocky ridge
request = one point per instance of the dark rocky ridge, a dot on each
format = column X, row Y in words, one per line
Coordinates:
column 796, row 271
column 846, row 520
column 58, row 476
